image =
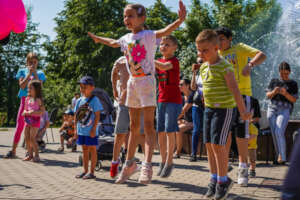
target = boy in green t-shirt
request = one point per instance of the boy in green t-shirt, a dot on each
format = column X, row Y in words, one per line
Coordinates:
column 221, row 95
column 243, row 58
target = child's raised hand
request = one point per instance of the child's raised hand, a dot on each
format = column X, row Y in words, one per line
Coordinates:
column 195, row 67
column 181, row 11
column 94, row 37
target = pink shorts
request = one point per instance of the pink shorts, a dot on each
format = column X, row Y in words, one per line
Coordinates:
column 141, row 92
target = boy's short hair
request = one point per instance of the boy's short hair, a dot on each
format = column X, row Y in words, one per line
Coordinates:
column 284, row 66
column 224, row 31
column 207, row 35
column 172, row 38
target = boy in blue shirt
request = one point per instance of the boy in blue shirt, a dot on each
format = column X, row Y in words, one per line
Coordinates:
column 87, row 116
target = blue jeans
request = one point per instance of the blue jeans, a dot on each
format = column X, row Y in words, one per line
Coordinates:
column 278, row 120
column 197, row 115
column 167, row 114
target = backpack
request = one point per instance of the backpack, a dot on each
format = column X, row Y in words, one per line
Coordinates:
column 104, row 100
column 84, row 112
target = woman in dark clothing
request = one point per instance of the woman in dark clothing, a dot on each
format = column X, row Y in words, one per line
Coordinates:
column 185, row 121
column 282, row 93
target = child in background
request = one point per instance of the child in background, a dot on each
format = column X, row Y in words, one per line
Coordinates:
column 221, row 95
column 67, row 131
column 33, row 110
column 44, row 124
column 121, row 74
column 24, row 75
column 243, row 58
column 139, row 47
column 89, row 107
column 169, row 103
column 248, row 128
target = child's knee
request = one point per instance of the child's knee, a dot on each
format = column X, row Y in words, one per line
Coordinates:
column 85, row 148
column 148, row 126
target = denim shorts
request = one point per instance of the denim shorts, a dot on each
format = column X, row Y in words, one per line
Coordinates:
column 167, row 114
column 122, row 120
column 87, row 140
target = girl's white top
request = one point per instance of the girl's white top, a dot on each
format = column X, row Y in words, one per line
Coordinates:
column 142, row 47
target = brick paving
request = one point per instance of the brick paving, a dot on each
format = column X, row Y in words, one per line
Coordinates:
column 53, row 178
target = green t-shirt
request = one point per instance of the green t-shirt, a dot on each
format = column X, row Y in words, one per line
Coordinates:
column 215, row 91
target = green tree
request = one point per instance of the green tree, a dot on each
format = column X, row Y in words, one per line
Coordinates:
column 73, row 54
column 13, row 57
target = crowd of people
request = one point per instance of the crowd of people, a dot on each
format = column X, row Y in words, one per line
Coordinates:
column 216, row 104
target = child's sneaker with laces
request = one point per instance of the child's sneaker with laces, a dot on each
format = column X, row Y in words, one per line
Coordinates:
column 211, row 189
column 146, row 174
column 252, row 173
column 114, row 169
column 126, row 172
column 243, row 177
column 222, row 189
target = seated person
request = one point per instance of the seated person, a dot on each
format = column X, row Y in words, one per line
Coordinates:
column 185, row 121
column 67, row 131
column 44, row 124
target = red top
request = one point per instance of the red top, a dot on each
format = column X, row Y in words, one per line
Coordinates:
column 168, row 83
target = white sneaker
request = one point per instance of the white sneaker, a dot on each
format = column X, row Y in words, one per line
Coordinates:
column 146, row 174
column 243, row 177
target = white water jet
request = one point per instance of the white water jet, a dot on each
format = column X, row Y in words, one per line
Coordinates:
column 281, row 45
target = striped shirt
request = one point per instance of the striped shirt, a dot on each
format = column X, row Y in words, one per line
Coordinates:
column 215, row 91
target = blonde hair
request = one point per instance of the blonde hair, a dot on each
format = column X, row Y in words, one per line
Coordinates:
column 207, row 35
column 31, row 55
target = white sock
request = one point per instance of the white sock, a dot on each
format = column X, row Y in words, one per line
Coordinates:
column 243, row 165
column 115, row 162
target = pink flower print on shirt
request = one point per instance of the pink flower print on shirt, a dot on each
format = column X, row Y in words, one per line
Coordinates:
column 138, row 53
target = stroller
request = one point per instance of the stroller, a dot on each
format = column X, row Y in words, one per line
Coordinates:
column 105, row 129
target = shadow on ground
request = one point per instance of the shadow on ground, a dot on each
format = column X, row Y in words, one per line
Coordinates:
column 60, row 163
column 14, row 185
column 184, row 187
column 188, row 167
column 7, row 146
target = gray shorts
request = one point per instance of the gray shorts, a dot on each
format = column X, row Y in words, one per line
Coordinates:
column 122, row 120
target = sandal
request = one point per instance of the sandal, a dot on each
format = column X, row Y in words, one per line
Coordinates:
column 27, row 158
column 80, row 175
column 10, row 155
column 89, row 176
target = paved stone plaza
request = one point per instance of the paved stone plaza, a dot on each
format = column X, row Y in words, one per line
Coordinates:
column 53, row 178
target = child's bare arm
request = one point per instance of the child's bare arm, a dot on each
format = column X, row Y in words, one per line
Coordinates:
column 163, row 66
column 62, row 127
column 97, row 118
column 259, row 58
column 103, row 40
column 172, row 27
column 114, row 78
column 233, row 87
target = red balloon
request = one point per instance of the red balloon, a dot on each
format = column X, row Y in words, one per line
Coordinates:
column 13, row 17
